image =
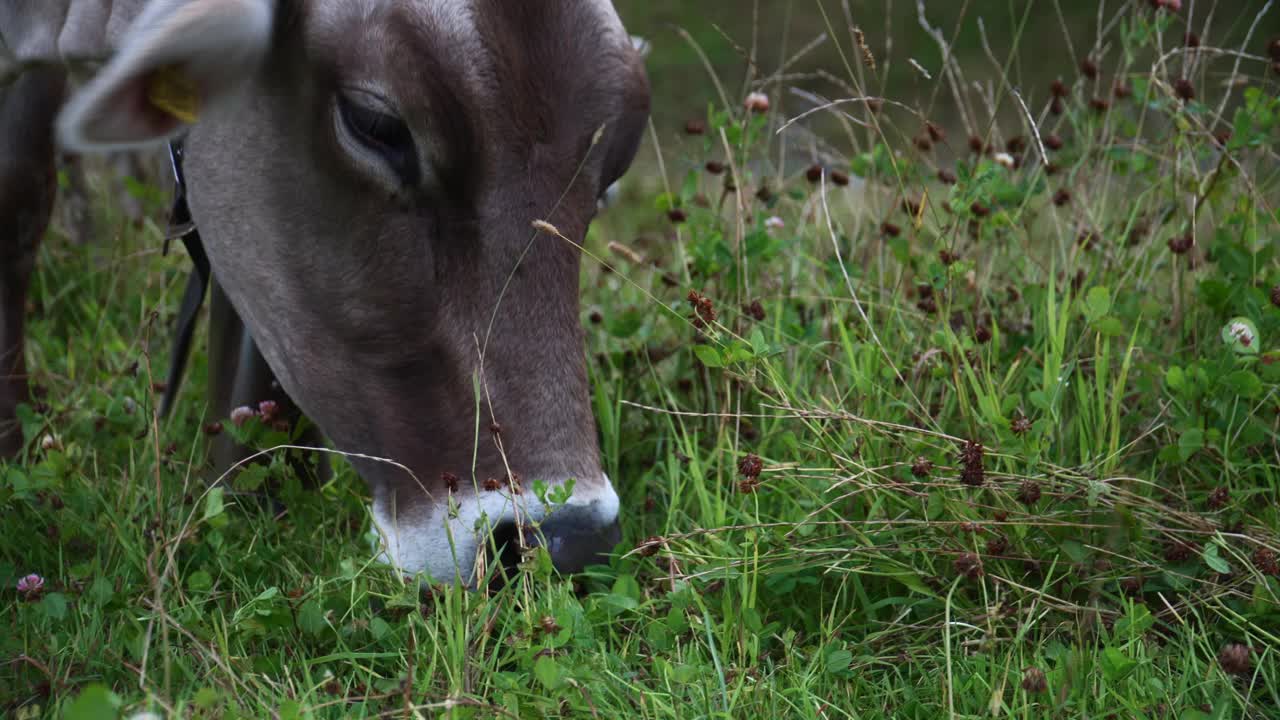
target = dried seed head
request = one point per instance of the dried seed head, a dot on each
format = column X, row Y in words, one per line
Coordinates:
column 912, row 206
column 840, row 178
column 1178, row 551
column 1058, row 89
column 549, row 625
column 715, row 168
column 1034, row 681
column 1121, row 90
column 1275, row 296
column 935, row 132
column 888, row 229
column 1131, row 586
column 450, row 481
column 1020, row 425
column 922, row 467
column 1016, row 145
column 1182, row 244
column 651, row 546
column 998, row 545
column 969, row 565
column 1185, row 90
column 757, row 102
column 979, row 210
column 1234, row 659
column 976, row 145
column 756, row 311
column 751, row 466
column 923, row 143
column 704, row 310
column 1062, row 198
column 695, row 127
column 1219, row 498
column 1100, row 105
column 972, row 471
column 948, row 258
column 1264, row 559
column 1089, row 68
column 814, row 174
column 677, row 216
column 1053, row 141
column 764, row 194
column 596, row 317
column 1057, row 106
column 946, row 177
column 1191, row 39
column 1029, row 492
column 213, row 429
column 982, row 334
column 492, row 485
column 748, row 486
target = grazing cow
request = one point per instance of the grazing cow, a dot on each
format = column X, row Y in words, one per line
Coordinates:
column 365, row 175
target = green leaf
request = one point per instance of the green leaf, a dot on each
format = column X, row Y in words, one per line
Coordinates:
column 1097, row 303
column 290, row 710
column 548, row 672
column 1175, row 378
column 213, row 504
column 838, row 662
column 936, row 505
column 1116, row 665
column 1190, row 443
column 709, row 356
column 311, row 618
column 54, row 606
column 1137, row 621
column 199, row 581
column 1109, row 326
column 1214, row 560
column 206, row 698
column 96, row 702
column 1243, row 383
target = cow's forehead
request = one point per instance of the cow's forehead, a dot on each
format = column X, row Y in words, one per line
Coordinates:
column 463, row 40
column 458, row 20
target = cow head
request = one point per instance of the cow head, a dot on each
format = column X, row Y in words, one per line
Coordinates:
column 366, row 175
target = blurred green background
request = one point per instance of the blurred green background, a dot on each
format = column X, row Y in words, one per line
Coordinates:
column 727, row 29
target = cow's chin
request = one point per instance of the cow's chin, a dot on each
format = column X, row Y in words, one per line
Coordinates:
column 442, row 544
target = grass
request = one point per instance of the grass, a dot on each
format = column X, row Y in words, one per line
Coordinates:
column 1007, row 446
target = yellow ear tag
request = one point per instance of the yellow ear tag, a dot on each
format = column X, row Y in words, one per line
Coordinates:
column 171, row 91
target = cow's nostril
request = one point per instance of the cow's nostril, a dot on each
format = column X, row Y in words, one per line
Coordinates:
column 576, row 537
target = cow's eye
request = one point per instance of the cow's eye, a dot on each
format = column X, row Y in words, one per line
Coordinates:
column 382, row 133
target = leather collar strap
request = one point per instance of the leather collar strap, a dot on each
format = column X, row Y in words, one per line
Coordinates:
column 182, row 227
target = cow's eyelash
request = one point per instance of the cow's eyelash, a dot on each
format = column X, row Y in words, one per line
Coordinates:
column 383, row 133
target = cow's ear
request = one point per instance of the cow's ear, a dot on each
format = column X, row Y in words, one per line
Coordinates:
column 179, row 60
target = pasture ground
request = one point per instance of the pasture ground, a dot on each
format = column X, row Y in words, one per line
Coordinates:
column 974, row 420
